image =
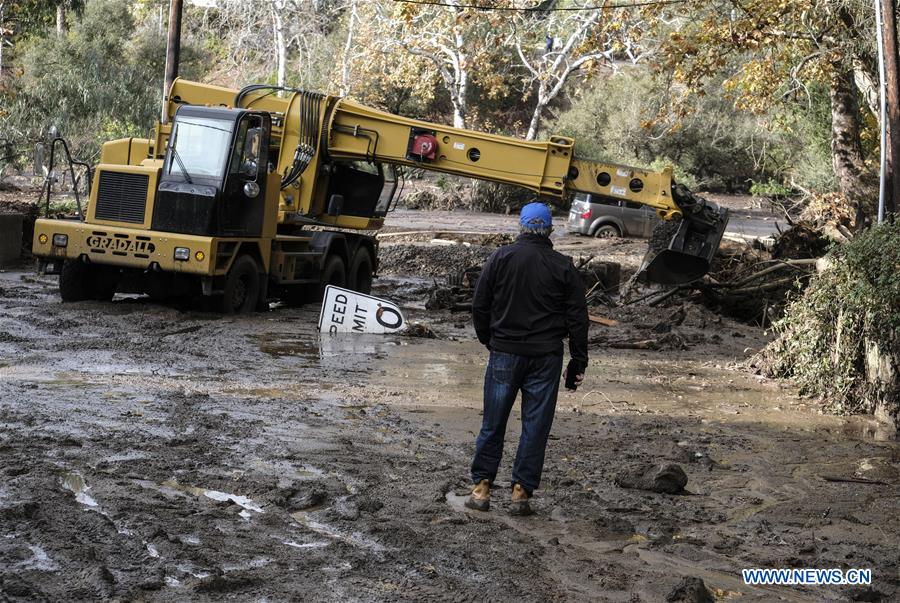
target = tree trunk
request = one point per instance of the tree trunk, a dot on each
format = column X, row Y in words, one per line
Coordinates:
column 280, row 49
column 60, row 19
column 460, row 107
column 348, row 47
column 1, row 39
column 892, row 91
column 846, row 151
column 536, row 117
column 867, row 84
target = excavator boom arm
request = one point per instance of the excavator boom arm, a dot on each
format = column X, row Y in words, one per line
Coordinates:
column 549, row 168
column 313, row 130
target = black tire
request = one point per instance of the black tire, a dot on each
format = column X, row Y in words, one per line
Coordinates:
column 334, row 273
column 262, row 302
column 295, row 296
column 607, row 231
column 75, row 281
column 361, row 270
column 105, row 281
column 242, row 287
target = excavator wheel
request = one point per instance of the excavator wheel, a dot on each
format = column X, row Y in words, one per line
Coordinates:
column 75, row 281
column 242, row 287
column 105, row 281
column 361, row 271
column 334, row 273
column 80, row 281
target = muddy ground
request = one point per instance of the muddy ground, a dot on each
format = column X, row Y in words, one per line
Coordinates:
column 156, row 453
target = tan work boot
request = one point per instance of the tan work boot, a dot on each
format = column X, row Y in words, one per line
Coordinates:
column 480, row 498
column 520, row 505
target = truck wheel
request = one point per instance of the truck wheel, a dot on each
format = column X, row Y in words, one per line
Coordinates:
column 241, row 286
column 104, row 281
column 75, row 281
column 607, row 231
column 334, row 273
column 361, row 271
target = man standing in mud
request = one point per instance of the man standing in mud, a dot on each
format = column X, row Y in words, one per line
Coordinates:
column 527, row 300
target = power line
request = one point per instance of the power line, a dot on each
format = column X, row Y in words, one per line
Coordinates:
column 537, row 9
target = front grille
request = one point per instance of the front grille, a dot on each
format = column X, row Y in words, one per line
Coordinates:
column 122, row 197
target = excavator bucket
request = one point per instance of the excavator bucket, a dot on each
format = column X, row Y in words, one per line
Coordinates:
column 691, row 250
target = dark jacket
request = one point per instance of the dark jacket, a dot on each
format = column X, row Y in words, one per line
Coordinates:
column 528, row 298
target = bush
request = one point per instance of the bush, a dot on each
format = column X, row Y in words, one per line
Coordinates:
column 770, row 188
column 717, row 147
column 102, row 80
column 452, row 192
column 841, row 339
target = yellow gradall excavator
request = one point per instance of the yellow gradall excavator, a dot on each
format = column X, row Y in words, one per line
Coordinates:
column 247, row 195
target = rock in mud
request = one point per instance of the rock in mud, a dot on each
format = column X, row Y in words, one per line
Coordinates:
column 15, row 586
column 418, row 329
column 369, row 504
column 305, row 499
column 98, row 580
column 867, row 594
column 690, row 590
column 345, row 509
column 665, row 479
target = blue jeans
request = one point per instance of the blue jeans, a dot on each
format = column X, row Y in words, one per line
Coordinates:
column 538, row 379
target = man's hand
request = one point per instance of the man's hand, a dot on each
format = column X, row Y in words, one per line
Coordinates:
column 579, row 379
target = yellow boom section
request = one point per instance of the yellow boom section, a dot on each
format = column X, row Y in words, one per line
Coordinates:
column 549, row 168
column 359, row 132
column 351, row 131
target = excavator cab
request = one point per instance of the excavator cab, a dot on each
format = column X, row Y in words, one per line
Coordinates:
column 690, row 251
column 213, row 178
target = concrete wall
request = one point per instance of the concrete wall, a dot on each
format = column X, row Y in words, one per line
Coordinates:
column 10, row 238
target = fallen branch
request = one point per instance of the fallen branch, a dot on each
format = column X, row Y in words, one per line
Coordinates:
column 666, row 295
column 854, row 480
column 763, row 287
column 600, row 320
column 641, row 344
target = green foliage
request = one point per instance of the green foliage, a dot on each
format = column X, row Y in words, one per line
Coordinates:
column 100, row 81
column 770, row 188
column 31, row 17
column 716, row 147
column 804, row 146
column 848, row 310
column 453, row 192
column 709, row 149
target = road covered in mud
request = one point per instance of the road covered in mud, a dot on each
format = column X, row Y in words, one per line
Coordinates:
column 151, row 452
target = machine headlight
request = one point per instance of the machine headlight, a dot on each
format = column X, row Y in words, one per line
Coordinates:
column 182, row 253
column 60, row 240
column 42, row 239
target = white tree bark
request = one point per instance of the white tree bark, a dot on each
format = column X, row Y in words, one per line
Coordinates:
column 447, row 49
column 277, row 8
column 346, row 58
column 549, row 72
column 461, row 80
column 60, row 19
column 2, row 15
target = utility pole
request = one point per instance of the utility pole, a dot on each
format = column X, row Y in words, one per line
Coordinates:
column 892, row 93
column 173, row 50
